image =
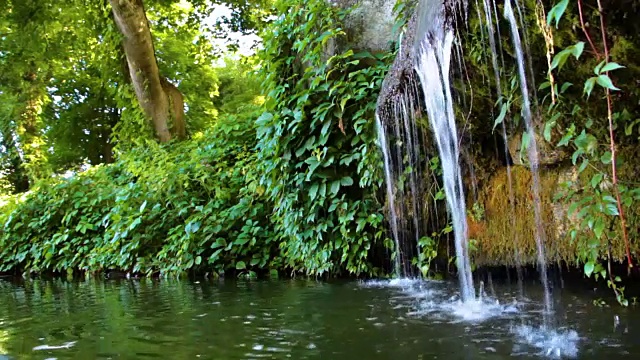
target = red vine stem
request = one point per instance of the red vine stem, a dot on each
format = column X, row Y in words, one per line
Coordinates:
column 586, row 33
column 623, row 222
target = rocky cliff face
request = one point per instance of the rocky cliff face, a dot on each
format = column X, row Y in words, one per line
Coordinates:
column 369, row 26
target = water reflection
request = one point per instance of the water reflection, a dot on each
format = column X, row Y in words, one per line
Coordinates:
column 278, row 320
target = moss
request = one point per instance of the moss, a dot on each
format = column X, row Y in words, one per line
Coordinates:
column 510, row 225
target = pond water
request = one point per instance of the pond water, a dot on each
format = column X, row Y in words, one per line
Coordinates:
column 165, row 319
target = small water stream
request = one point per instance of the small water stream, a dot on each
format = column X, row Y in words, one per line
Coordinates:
column 401, row 319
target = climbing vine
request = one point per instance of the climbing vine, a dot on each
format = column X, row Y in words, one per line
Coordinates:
column 317, row 142
column 599, row 201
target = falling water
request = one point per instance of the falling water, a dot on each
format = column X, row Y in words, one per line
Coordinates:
column 533, row 160
column 488, row 11
column 382, row 136
column 432, row 67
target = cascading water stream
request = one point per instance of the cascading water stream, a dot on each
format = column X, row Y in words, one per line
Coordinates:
column 432, row 55
column 429, row 59
column 532, row 152
column 488, row 11
column 382, row 136
column 432, row 66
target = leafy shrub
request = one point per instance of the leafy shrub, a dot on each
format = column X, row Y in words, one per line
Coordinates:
column 317, row 142
column 159, row 208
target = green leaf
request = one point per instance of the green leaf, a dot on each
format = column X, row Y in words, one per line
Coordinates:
column 577, row 49
column 588, row 268
column 560, row 59
column 588, row 86
column 240, row 265
column 565, row 86
column 583, row 166
column 500, row 118
column 198, row 260
column 610, row 67
column 335, row 187
column 310, row 143
column 598, row 228
column 525, row 143
column 605, row 82
column 611, row 209
column 596, row 180
column 264, row 119
column 606, row 158
column 346, row 181
column 144, row 204
column 241, row 240
column 313, row 191
column 557, row 11
column 547, row 130
column 596, row 70
column 576, row 154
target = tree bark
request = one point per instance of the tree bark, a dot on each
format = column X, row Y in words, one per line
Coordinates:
column 177, row 108
column 17, row 176
column 154, row 93
column 32, row 99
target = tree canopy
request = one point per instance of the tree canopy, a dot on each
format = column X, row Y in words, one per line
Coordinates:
column 74, row 81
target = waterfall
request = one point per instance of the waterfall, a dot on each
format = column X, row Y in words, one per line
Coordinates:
column 431, row 62
column 432, row 66
column 425, row 64
column 532, row 153
column 489, row 13
column 393, row 220
column 430, row 55
column 400, row 145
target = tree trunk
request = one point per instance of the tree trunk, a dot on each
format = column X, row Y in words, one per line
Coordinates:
column 17, row 176
column 177, row 108
column 153, row 92
column 32, row 99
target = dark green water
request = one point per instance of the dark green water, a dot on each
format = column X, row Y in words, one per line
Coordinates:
column 164, row 319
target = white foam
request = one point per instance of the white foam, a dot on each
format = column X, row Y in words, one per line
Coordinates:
column 431, row 299
column 402, row 283
column 478, row 310
column 555, row 344
column 473, row 311
column 66, row 345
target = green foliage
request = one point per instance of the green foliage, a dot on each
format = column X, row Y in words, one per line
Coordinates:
column 593, row 195
column 168, row 209
column 317, row 150
column 295, row 190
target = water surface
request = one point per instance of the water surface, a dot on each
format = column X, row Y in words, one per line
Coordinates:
column 168, row 319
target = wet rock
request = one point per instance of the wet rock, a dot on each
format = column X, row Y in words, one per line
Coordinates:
column 368, row 27
column 401, row 78
column 548, row 154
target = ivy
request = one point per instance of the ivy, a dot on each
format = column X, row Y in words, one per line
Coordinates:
column 316, row 142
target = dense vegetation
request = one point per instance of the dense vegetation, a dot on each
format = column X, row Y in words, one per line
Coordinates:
column 286, row 184
column 163, row 150
column 583, row 72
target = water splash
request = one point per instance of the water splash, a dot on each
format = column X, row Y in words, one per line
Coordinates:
column 532, row 152
column 434, row 299
column 432, row 66
column 555, row 344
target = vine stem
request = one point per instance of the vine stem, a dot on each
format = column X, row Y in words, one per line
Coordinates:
column 614, row 176
column 586, row 33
